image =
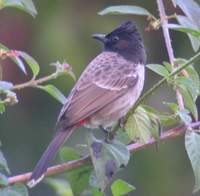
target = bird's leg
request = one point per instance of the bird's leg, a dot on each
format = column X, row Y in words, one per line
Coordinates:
column 107, row 132
column 122, row 122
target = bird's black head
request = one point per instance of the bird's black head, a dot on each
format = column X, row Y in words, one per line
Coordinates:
column 126, row 40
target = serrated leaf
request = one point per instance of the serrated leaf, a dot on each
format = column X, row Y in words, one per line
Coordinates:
column 25, row 5
column 125, row 9
column 192, row 145
column 187, row 23
column 15, row 190
column 168, row 120
column 189, row 102
column 140, row 127
column 159, row 69
column 193, row 74
column 79, row 179
column 54, row 92
column 164, row 118
column 3, row 180
column 3, row 163
column 31, row 62
column 61, row 187
column 107, row 158
column 120, row 187
column 137, row 126
column 68, row 154
column 4, row 85
column 191, row 85
column 155, row 126
column 193, row 32
column 168, row 66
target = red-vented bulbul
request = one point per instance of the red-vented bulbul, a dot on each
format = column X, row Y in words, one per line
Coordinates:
column 106, row 90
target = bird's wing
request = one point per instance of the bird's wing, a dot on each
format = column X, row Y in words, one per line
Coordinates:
column 97, row 87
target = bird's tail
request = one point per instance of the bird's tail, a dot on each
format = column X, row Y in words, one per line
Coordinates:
column 48, row 155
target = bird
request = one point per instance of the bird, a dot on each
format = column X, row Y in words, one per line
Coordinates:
column 107, row 88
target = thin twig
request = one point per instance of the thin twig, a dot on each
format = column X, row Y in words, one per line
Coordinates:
column 34, row 83
column 170, row 134
column 164, row 23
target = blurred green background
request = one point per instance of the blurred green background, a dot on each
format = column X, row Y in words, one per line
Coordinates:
column 62, row 30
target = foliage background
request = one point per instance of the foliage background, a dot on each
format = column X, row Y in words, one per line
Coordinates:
column 60, row 31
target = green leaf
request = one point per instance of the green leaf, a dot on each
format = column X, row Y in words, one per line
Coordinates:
column 159, row 69
column 141, row 126
column 61, row 187
column 193, row 32
column 187, row 23
column 191, row 85
column 172, row 106
column 168, row 66
column 3, row 164
column 189, row 102
column 121, row 187
column 31, row 62
column 19, row 63
column 193, row 74
column 68, row 154
column 15, row 59
column 125, row 9
column 2, row 108
column 185, row 116
column 25, row 5
column 15, row 190
column 168, row 120
column 107, row 159
column 122, row 136
column 3, row 47
column 96, row 192
column 191, row 9
column 79, row 179
column 192, row 145
column 165, row 119
column 3, row 180
column 54, row 92
column 4, row 85
column 155, row 126
column 191, row 82
column 1, row 72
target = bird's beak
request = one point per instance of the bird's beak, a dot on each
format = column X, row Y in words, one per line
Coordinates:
column 100, row 37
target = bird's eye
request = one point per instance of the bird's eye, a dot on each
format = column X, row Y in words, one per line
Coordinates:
column 115, row 38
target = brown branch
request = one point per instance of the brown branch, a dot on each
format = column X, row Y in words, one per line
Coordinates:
column 34, row 83
column 170, row 134
column 164, row 23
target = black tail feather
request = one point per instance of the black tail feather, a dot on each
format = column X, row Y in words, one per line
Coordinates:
column 48, row 155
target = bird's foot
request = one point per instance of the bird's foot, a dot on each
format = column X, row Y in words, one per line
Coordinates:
column 122, row 122
column 108, row 134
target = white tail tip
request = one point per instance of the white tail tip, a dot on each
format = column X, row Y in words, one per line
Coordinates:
column 34, row 182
